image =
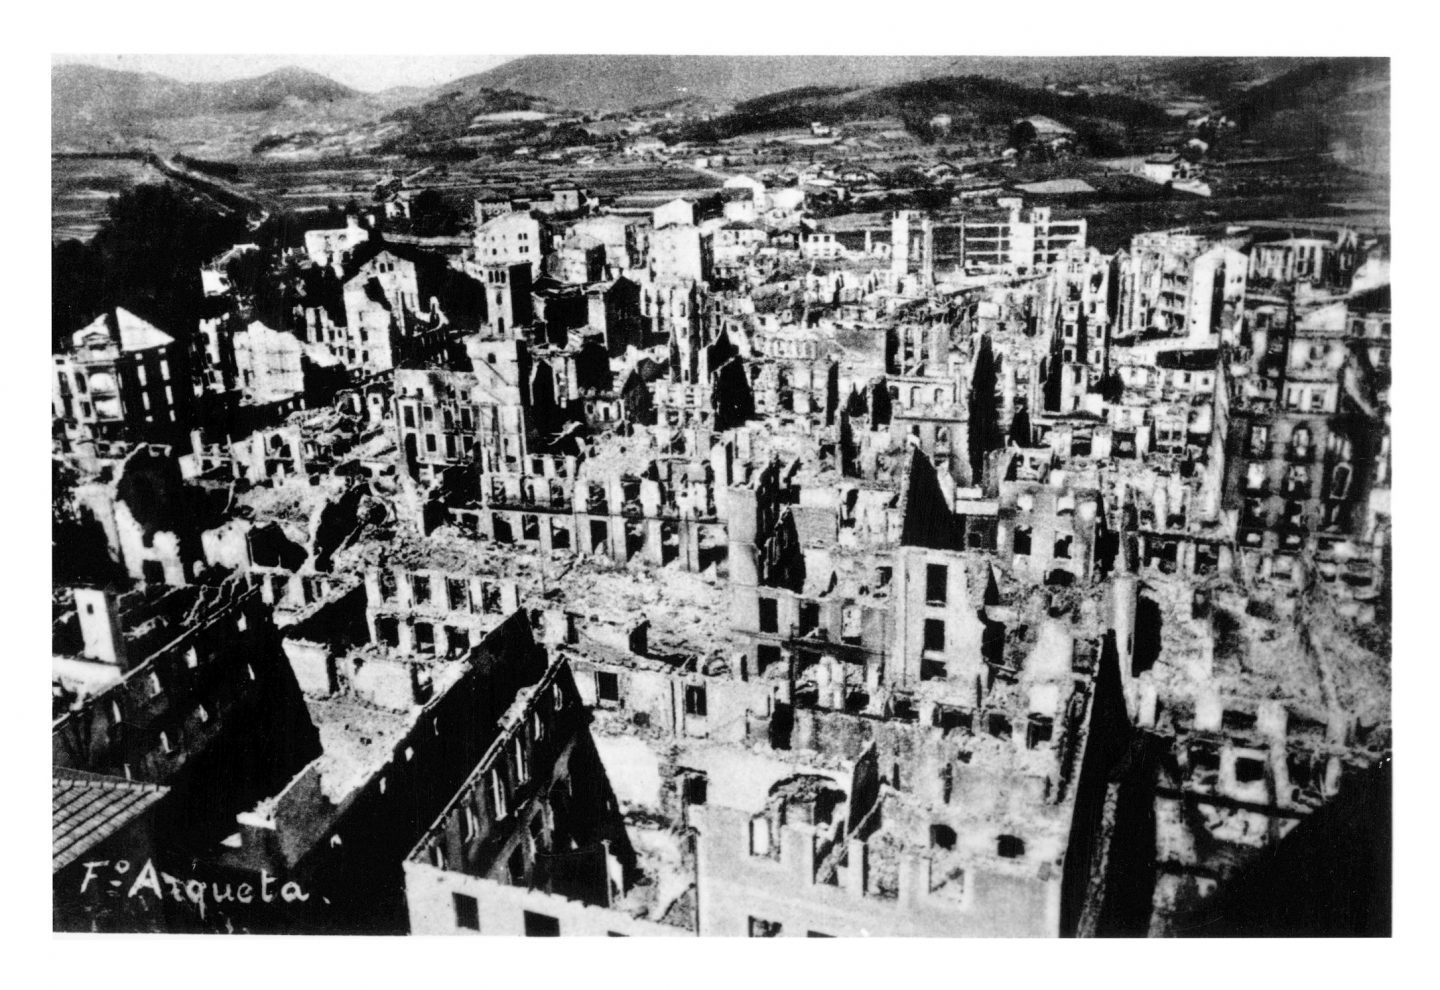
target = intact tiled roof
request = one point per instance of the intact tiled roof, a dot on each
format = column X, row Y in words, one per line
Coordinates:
column 89, row 808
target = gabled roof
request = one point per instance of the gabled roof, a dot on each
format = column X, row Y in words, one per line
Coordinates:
column 1374, row 300
column 86, row 809
column 133, row 333
column 507, row 220
column 369, row 250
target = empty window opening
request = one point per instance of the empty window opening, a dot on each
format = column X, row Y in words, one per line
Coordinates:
column 765, row 657
column 541, row 925
column 467, row 912
column 1039, row 731
column 1010, row 846
column 760, row 928
column 695, row 700
column 769, row 621
column 935, row 634
column 559, row 536
column 1249, row 771
column 1204, row 760
column 942, row 837
column 1022, row 541
column 946, row 717
column 695, row 789
column 809, row 617
column 387, row 630
column 607, row 686
column 936, row 579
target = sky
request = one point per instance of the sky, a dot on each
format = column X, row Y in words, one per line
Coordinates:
column 364, row 72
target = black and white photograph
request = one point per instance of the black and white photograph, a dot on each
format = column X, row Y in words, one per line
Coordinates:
column 703, row 495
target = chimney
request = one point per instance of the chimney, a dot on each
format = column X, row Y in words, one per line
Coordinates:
column 100, row 625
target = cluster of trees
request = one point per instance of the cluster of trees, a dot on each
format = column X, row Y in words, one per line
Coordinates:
column 146, row 256
column 78, row 544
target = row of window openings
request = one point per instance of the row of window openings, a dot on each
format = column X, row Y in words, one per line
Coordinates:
column 155, row 689
column 387, row 630
column 457, row 592
column 447, row 416
column 536, row 925
column 1039, row 729
column 941, row 837
column 500, row 789
column 607, row 691
column 467, row 444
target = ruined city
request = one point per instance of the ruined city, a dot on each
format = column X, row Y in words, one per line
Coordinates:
column 953, row 506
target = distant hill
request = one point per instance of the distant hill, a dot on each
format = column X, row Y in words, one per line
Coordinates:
column 89, row 94
column 273, row 90
column 975, row 104
column 1107, row 99
column 450, row 111
column 93, row 108
column 623, row 82
column 1340, row 105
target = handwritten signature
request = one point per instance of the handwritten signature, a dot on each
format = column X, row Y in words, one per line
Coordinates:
column 201, row 893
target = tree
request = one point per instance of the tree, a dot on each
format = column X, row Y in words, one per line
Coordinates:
column 148, row 255
column 1020, row 429
column 79, row 548
column 984, row 430
column 432, row 216
column 77, row 290
column 1022, row 134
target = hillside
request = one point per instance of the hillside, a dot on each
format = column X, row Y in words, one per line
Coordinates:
column 1287, row 102
column 93, row 109
column 273, row 90
column 458, row 109
column 625, row 82
column 1337, row 105
column 975, row 104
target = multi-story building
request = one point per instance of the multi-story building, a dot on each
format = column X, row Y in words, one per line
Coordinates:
column 512, row 238
column 680, row 253
column 122, row 379
column 1034, row 244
